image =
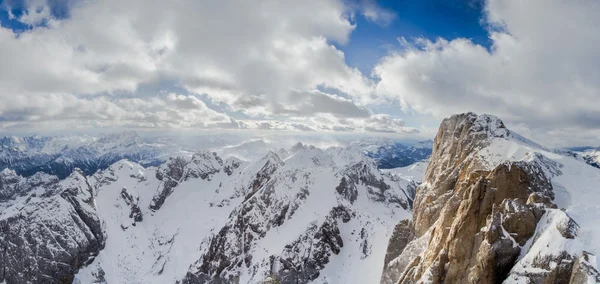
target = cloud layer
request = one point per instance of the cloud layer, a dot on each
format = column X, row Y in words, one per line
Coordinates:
column 266, row 61
column 278, row 65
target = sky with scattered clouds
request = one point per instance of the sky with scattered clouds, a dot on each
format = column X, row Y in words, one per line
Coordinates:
column 347, row 66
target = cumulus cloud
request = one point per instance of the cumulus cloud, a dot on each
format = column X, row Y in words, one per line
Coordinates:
column 540, row 72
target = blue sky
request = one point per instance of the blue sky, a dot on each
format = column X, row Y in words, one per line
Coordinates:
column 431, row 19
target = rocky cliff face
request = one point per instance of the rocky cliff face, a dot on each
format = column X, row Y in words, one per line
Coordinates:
column 476, row 216
column 48, row 229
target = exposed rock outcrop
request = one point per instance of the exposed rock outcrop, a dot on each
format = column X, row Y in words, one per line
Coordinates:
column 49, row 233
column 403, row 234
column 135, row 211
column 473, row 215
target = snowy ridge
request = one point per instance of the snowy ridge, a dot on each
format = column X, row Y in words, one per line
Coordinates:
column 231, row 219
column 592, row 157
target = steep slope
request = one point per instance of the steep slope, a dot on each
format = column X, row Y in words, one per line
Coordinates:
column 485, row 212
column 316, row 216
column 48, row 228
column 307, row 221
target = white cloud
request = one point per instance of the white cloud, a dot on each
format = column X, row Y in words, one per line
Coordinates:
column 542, row 70
column 375, row 13
column 268, row 60
column 314, row 102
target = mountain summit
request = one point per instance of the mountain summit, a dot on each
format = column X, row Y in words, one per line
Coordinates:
column 487, row 212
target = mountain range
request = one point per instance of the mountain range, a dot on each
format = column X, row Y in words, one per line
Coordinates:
column 486, row 206
column 62, row 154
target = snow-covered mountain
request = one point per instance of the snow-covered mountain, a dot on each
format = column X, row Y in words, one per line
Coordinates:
column 489, row 206
column 388, row 153
column 313, row 215
column 62, row 154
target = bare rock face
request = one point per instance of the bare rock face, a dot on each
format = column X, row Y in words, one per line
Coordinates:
column 365, row 174
column 49, row 230
column 301, row 263
column 136, row 212
column 583, row 271
column 452, row 158
column 170, row 174
column 471, row 218
column 478, row 229
column 402, row 235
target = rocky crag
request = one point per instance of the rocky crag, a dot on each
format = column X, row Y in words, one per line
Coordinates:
column 482, row 216
column 49, row 229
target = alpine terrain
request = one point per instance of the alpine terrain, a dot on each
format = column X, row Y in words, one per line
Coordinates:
column 298, row 216
column 488, row 206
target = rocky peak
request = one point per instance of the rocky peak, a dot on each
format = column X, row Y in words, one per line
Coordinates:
column 170, row 174
column 496, row 206
column 297, row 147
column 487, row 124
column 458, row 138
column 203, row 165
